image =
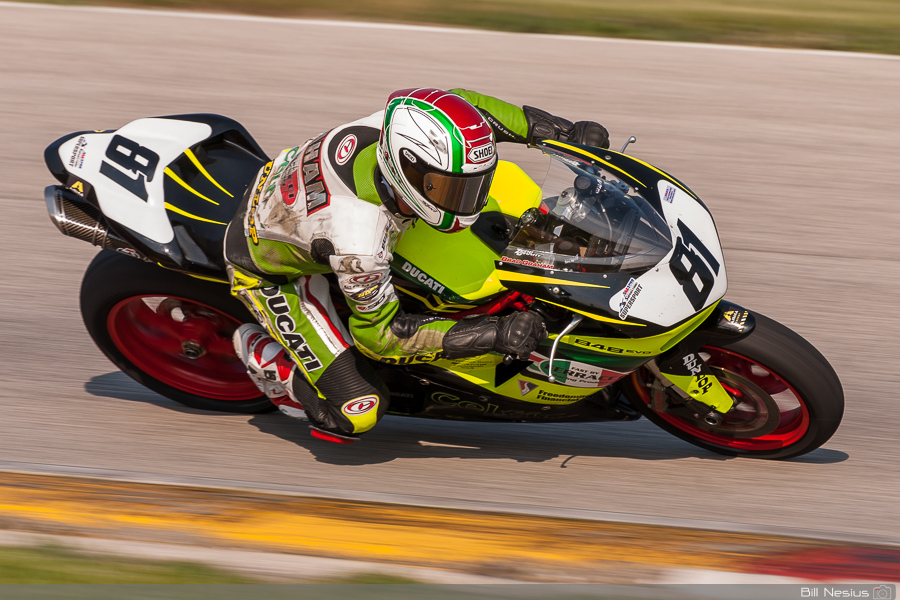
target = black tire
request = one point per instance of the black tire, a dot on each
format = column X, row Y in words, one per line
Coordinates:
column 112, row 278
column 789, row 357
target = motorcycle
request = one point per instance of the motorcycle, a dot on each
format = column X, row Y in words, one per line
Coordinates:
column 621, row 259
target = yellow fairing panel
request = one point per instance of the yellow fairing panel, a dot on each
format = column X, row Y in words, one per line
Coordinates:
column 512, row 193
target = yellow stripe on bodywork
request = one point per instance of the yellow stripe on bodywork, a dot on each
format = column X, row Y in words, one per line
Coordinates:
column 183, row 184
column 175, row 209
column 637, row 160
column 440, row 306
column 594, row 316
column 523, row 278
column 197, row 164
column 639, row 346
column 595, row 157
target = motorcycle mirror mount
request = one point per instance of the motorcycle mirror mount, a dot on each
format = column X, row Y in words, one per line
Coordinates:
column 631, row 140
column 572, row 325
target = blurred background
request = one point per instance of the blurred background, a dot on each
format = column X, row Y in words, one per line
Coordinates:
column 794, row 151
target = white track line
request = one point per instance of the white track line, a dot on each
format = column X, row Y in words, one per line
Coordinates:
column 431, row 29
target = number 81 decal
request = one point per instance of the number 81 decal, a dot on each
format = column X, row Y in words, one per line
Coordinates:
column 695, row 276
column 139, row 160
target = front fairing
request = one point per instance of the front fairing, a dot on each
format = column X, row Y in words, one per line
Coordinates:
column 618, row 241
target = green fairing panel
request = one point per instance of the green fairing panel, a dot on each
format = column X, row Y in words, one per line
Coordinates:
column 460, row 262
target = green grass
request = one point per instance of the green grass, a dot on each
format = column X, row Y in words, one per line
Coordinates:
column 57, row 564
column 854, row 25
column 52, row 564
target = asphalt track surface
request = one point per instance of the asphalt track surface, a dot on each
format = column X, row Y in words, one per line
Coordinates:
column 795, row 152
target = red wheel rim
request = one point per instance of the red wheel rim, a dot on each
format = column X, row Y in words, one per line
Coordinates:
column 182, row 343
column 793, row 411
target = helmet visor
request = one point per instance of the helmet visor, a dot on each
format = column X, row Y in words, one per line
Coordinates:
column 461, row 195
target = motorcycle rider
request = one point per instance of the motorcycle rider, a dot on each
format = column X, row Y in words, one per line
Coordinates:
column 338, row 204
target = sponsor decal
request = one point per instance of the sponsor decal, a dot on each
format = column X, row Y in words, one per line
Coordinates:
column 670, row 194
column 78, row 188
column 481, row 153
column 738, row 318
column 284, row 323
column 350, row 264
column 76, row 160
column 694, row 365
column 345, row 150
column 359, row 406
column 367, row 278
column 129, row 252
column 551, row 398
column 575, row 374
column 483, row 404
column 401, row 360
column 610, row 349
column 367, row 308
column 317, row 196
column 526, row 387
column 535, row 253
column 289, row 159
column 290, row 186
column 629, row 296
column 423, row 278
column 383, row 244
column 254, row 203
column 527, row 263
column 409, row 155
column 365, row 294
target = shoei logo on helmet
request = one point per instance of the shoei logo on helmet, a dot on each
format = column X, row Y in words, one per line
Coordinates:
column 345, row 150
column 409, row 155
column 359, row 406
column 481, row 153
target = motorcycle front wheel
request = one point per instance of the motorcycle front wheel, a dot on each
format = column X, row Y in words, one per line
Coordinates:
column 169, row 332
column 788, row 399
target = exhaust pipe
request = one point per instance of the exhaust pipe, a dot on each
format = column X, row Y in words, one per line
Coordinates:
column 76, row 218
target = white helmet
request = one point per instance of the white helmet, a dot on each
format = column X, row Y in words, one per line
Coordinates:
column 438, row 153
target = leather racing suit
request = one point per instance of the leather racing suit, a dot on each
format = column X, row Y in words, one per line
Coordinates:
column 323, row 207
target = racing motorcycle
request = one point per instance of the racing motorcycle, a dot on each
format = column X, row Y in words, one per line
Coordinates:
column 621, row 259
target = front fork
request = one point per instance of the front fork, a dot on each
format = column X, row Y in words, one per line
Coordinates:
column 682, row 371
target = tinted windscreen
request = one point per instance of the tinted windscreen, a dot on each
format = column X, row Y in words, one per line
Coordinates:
column 589, row 221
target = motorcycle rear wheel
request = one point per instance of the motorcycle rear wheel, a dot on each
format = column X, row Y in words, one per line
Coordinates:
column 771, row 369
column 169, row 332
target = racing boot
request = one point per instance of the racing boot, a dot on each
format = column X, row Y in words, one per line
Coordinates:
column 269, row 366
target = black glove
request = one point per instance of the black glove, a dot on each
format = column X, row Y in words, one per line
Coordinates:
column 517, row 334
column 520, row 333
column 544, row 126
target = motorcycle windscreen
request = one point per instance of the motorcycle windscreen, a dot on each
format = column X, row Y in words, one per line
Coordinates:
column 589, row 221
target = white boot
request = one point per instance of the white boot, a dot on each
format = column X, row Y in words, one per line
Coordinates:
column 269, row 366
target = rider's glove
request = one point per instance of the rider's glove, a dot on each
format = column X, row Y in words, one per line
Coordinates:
column 544, row 126
column 517, row 334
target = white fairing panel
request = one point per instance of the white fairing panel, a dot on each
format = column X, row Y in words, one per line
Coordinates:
column 127, row 176
column 666, row 295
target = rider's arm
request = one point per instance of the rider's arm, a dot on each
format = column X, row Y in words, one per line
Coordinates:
column 528, row 125
column 384, row 332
